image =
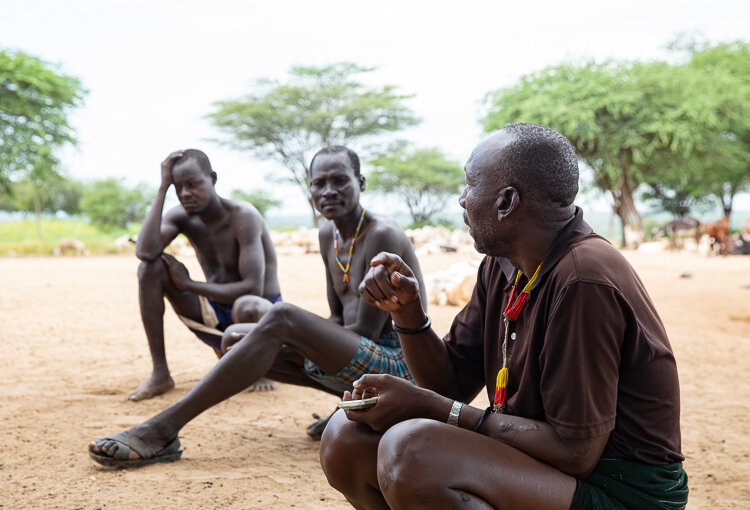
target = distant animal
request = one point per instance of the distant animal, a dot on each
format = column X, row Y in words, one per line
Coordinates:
column 740, row 244
column 675, row 230
column 70, row 246
column 718, row 233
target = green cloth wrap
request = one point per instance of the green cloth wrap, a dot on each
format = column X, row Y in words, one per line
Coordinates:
column 626, row 485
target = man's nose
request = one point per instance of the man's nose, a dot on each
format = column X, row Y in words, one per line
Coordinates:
column 462, row 199
column 329, row 191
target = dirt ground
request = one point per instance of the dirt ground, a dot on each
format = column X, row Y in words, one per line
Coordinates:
column 73, row 347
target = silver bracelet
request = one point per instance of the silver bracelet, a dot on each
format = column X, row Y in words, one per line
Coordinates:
column 455, row 411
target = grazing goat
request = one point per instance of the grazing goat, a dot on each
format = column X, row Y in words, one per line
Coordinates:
column 70, row 246
column 675, row 230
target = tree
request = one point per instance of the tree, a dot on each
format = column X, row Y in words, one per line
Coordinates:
column 48, row 193
column 726, row 156
column 627, row 120
column 316, row 107
column 424, row 178
column 109, row 204
column 715, row 168
column 262, row 200
column 35, row 101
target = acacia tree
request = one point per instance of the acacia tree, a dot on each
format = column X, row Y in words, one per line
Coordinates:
column 724, row 161
column 624, row 118
column 35, row 101
column 315, row 107
column 424, row 178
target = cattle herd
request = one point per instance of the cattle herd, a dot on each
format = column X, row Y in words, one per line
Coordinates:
column 688, row 232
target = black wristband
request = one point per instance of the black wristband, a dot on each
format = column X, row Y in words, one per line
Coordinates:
column 481, row 420
column 418, row 330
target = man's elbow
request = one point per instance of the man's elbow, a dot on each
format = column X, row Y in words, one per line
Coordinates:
column 581, row 469
column 583, row 456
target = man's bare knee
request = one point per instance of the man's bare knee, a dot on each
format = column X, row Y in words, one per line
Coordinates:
column 341, row 449
column 249, row 308
column 280, row 319
column 150, row 271
column 336, row 446
column 403, row 467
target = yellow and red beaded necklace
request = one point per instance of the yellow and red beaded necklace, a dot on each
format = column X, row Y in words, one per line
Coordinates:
column 345, row 279
column 512, row 309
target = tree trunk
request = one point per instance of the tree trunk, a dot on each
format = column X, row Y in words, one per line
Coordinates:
column 38, row 217
column 632, row 223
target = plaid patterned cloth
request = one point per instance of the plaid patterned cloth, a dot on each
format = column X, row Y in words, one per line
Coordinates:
column 381, row 357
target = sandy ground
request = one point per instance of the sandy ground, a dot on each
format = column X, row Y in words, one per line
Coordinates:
column 73, row 347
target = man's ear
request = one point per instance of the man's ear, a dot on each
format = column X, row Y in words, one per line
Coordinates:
column 362, row 183
column 213, row 177
column 507, row 202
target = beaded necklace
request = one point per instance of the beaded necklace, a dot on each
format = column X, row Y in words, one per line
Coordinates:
column 345, row 279
column 512, row 309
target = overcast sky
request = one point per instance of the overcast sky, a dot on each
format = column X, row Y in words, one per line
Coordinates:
column 154, row 68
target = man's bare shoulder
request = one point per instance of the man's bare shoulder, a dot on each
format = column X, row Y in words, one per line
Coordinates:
column 243, row 213
column 177, row 216
column 387, row 233
column 325, row 232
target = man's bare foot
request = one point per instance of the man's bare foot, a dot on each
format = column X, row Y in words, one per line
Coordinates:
column 152, row 387
column 263, row 384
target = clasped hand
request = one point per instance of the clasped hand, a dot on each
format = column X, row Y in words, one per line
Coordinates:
column 389, row 284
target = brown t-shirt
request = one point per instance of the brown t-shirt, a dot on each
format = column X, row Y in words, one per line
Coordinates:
column 590, row 354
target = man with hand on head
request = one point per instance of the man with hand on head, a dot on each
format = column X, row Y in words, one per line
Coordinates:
column 290, row 344
column 561, row 334
column 233, row 248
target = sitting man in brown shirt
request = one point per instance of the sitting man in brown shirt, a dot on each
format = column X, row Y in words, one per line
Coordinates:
column 559, row 331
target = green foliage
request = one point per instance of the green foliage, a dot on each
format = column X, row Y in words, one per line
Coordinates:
column 18, row 237
column 424, row 178
column 56, row 194
column 35, row 100
column 261, row 199
column 110, row 205
column 316, row 107
column 724, row 161
column 673, row 127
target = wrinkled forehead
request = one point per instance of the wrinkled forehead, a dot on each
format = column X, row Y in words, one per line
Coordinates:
column 332, row 163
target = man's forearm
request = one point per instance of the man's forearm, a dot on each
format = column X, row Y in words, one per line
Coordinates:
column 425, row 352
column 225, row 293
column 539, row 440
column 148, row 246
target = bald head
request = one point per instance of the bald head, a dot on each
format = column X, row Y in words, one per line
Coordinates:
column 538, row 161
